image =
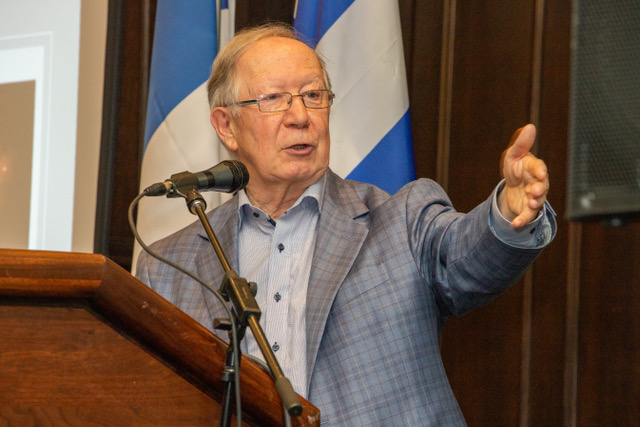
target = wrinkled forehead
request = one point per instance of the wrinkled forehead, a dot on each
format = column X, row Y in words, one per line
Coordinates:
column 277, row 55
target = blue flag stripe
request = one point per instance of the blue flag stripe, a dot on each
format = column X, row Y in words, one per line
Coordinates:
column 315, row 17
column 388, row 165
column 340, row 29
column 184, row 44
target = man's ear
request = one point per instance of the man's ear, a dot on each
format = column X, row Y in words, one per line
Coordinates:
column 221, row 121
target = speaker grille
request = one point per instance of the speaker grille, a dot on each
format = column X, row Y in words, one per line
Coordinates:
column 604, row 131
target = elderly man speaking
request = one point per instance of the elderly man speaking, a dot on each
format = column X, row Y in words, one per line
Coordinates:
column 354, row 284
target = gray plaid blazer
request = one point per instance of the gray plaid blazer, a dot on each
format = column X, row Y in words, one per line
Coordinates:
column 387, row 271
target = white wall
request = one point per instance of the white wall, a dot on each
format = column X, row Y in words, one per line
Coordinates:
column 60, row 46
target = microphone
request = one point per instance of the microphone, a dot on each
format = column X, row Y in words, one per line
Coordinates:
column 227, row 176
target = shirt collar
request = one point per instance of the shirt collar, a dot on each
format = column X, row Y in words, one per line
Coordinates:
column 315, row 191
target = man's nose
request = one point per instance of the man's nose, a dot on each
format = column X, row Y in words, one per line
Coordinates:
column 293, row 98
column 298, row 111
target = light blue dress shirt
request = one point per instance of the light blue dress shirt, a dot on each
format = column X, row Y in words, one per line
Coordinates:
column 279, row 260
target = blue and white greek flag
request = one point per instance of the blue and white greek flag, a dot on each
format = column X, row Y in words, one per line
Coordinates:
column 361, row 42
column 178, row 134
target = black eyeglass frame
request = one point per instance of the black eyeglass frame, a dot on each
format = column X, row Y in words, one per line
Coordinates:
column 329, row 92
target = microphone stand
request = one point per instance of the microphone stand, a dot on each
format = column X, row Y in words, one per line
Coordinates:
column 228, row 373
column 237, row 290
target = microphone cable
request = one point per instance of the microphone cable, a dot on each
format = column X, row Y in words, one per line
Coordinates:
column 216, row 293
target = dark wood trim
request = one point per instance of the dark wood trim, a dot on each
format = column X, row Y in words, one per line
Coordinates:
column 110, row 108
column 572, row 327
column 446, row 93
column 147, row 24
column 525, row 361
column 528, row 280
column 536, row 71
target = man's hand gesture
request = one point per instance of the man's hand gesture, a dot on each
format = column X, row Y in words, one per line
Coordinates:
column 527, row 180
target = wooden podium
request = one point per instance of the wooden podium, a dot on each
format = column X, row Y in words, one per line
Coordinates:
column 82, row 342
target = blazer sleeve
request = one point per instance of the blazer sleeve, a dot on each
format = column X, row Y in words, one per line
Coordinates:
column 458, row 254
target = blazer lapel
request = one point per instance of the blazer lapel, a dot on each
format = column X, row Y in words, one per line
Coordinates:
column 338, row 242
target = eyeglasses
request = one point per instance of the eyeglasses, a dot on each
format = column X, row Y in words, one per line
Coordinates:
column 281, row 101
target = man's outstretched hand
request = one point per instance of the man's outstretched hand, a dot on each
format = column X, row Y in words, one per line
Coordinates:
column 527, row 180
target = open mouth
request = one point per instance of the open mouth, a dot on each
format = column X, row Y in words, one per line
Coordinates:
column 300, row 146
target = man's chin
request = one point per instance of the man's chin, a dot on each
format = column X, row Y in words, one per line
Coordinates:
column 307, row 177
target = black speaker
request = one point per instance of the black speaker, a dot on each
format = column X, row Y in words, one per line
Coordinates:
column 604, row 128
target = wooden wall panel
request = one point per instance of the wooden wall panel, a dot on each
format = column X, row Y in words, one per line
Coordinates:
column 422, row 38
column 608, row 371
column 491, row 93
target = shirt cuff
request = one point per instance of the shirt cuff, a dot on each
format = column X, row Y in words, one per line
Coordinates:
column 534, row 235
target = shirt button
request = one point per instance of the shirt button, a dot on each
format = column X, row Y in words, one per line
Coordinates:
column 281, row 247
column 277, row 297
column 275, row 346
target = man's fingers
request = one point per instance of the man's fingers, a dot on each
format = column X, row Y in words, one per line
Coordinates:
column 523, row 140
column 524, row 218
column 535, row 167
column 515, row 136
